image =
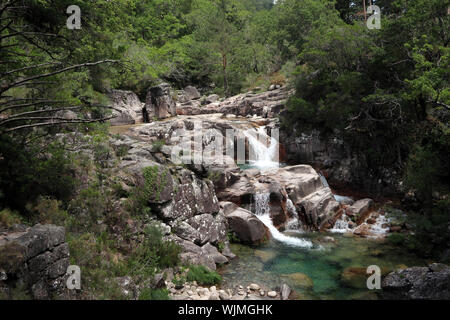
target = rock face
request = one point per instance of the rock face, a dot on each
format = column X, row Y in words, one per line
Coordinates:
column 36, row 257
column 266, row 104
column 301, row 185
column 159, row 103
column 419, row 283
column 127, row 107
column 334, row 157
column 186, row 204
column 246, row 226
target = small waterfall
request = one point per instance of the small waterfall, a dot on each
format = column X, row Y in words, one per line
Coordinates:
column 341, row 225
column 263, row 149
column 262, row 211
column 294, row 223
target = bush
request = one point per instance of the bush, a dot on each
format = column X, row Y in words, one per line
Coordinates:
column 153, row 182
column 157, row 145
column 203, row 275
column 33, row 170
column 154, row 294
column 47, row 210
column 8, row 218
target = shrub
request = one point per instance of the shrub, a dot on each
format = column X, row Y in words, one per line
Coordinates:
column 33, row 170
column 8, row 218
column 203, row 275
column 153, row 182
column 154, row 294
column 47, row 210
column 157, row 145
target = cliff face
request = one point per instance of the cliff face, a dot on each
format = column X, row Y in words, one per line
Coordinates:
column 342, row 166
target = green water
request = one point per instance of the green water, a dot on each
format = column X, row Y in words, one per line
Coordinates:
column 316, row 273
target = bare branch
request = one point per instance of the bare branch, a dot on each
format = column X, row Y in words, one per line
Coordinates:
column 87, row 64
column 42, row 124
column 30, row 67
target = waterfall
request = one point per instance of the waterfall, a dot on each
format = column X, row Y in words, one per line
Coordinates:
column 262, row 211
column 341, row 225
column 294, row 223
column 263, row 149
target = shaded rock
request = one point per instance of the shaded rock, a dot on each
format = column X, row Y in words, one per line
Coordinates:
column 37, row 258
column 418, row 283
column 158, row 281
column 159, row 103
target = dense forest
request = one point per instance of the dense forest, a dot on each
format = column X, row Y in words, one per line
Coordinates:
column 386, row 91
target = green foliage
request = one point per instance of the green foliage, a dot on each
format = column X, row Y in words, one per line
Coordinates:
column 150, row 187
column 157, row 145
column 203, row 275
column 26, row 172
column 154, row 294
column 179, row 281
column 8, row 218
column 48, row 211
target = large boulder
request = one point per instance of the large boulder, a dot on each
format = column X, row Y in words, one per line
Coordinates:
column 159, row 103
column 360, row 209
column 418, row 283
column 192, row 196
column 247, row 227
column 36, row 257
column 294, row 190
column 207, row 255
column 128, row 109
column 191, row 93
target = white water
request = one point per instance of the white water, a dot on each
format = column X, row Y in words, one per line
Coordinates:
column 263, row 149
column 293, row 224
column 341, row 225
column 262, row 211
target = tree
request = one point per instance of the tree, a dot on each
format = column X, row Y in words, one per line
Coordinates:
column 30, row 66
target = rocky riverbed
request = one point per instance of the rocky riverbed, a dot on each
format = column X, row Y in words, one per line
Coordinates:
column 297, row 238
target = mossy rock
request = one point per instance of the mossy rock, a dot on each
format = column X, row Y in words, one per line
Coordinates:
column 300, row 279
column 265, row 256
column 356, row 277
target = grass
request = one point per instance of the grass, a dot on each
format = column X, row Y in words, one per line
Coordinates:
column 203, row 276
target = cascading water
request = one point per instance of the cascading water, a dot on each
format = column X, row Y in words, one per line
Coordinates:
column 342, row 224
column 263, row 149
column 294, row 224
column 262, row 211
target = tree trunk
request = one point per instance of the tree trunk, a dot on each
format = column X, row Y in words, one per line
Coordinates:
column 225, row 78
